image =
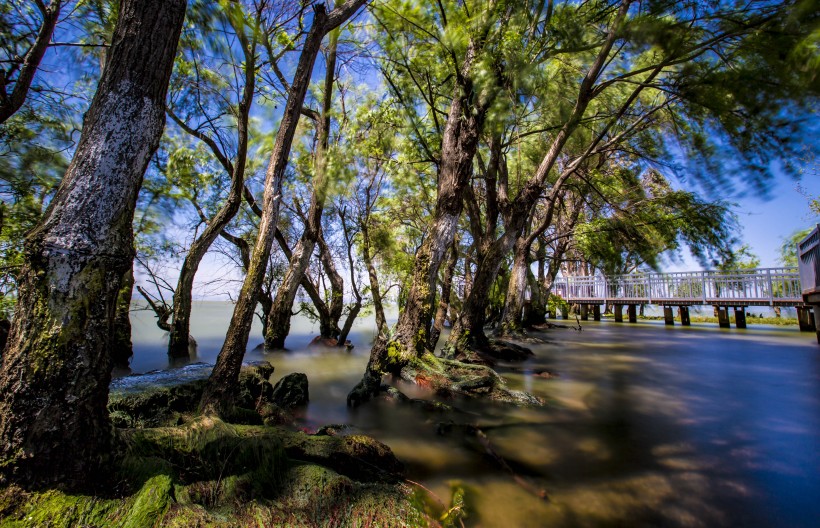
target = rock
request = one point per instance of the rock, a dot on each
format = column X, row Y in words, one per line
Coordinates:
column 291, row 391
column 154, row 407
column 359, row 457
column 261, row 368
column 254, row 385
column 329, row 342
column 272, row 414
column 506, row 351
column 320, row 341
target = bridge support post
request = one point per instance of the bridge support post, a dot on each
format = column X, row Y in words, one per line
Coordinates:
column 618, row 309
column 668, row 316
column 805, row 319
column 817, row 320
column 584, row 312
column 723, row 316
column 632, row 312
column 596, row 312
column 740, row 316
column 684, row 316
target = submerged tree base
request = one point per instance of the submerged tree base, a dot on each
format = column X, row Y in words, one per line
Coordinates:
column 444, row 377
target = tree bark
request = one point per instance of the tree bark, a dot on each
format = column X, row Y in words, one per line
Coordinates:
column 54, row 425
column 278, row 321
column 444, row 299
column 330, row 327
column 537, row 313
column 221, row 388
column 511, row 321
column 373, row 277
column 354, row 309
column 121, row 348
column 459, row 145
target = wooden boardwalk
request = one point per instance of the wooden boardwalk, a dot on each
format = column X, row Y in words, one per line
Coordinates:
column 724, row 290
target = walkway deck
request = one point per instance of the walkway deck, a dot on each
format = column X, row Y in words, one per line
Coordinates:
column 757, row 287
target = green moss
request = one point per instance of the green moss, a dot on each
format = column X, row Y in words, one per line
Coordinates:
column 395, row 356
column 209, row 473
column 58, row 510
column 150, row 503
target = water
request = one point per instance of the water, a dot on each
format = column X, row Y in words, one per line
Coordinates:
column 647, row 425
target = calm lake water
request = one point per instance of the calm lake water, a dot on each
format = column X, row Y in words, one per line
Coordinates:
column 646, row 425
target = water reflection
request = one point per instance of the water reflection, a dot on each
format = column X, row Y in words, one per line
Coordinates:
column 646, row 425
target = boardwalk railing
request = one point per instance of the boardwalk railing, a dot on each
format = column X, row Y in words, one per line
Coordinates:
column 765, row 286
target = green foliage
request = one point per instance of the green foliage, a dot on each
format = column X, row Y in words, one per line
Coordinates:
column 788, row 249
column 32, row 162
column 644, row 217
column 741, row 258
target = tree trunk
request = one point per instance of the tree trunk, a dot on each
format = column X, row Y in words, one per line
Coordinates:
column 121, row 348
column 444, row 300
column 467, row 333
column 179, row 340
column 538, row 301
column 375, row 291
column 511, row 321
column 54, row 426
column 219, row 393
column 278, row 325
column 459, row 145
column 330, row 328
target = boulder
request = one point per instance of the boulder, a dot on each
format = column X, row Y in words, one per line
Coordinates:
column 291, row 391
column 255, row 388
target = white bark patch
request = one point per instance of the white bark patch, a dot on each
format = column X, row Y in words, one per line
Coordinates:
column 105, row 173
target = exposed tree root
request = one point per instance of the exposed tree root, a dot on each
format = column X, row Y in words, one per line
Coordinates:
column 454, row 378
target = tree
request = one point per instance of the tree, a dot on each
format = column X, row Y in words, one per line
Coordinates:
column 248, row 30
column 222, row 384
column 54, row 423
column 278, row 321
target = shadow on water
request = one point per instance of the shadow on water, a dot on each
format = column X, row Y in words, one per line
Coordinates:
column 645, row 426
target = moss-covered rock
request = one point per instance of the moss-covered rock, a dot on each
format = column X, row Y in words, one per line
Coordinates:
column 164, row 405
column 255, row 388
column 291, row 391
column 211, row 473
column 55, row 509
column 359, row 457
column 156, row 406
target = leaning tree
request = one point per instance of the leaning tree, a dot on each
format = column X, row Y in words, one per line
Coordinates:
column 54, row 424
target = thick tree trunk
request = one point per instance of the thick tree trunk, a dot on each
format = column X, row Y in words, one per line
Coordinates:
column 444, row 299
column 121, row 348
column 219, row 393
column 278, row 324
column 54, row 426
column 467, row 334
column 179, row 340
